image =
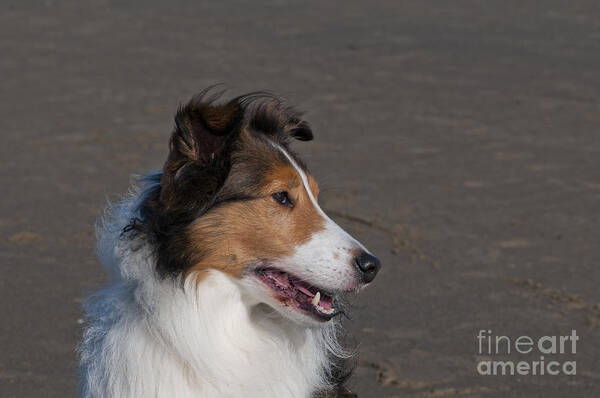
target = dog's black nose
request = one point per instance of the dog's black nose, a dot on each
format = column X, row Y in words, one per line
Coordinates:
column 368, row 265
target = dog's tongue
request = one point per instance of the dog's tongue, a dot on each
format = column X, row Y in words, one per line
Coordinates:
column 281, row 278
column 325, row 301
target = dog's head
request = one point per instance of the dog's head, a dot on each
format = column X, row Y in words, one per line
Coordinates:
column 233, row 197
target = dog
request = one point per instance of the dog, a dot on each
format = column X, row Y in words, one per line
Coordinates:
column 228, row 279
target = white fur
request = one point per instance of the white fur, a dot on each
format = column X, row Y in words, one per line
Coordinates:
column 327, row 258
column 154, row 337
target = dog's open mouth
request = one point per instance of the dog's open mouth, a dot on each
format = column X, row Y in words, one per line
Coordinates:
column 293, row 291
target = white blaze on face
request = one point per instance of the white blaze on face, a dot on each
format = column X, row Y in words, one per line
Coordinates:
column 327, row 259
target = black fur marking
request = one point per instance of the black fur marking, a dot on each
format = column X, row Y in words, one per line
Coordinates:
column 272, row 117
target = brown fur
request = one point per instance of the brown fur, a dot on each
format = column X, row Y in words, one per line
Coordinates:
column 250, row 232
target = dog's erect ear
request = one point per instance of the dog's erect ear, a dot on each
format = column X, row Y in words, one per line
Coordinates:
column 203, row 133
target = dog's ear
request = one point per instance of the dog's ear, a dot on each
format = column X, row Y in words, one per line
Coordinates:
column 199, row 145
column 300, row 130
column 202, row 130
column 275, row 119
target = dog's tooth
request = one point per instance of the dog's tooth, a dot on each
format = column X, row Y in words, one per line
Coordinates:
column 324, row 310
column 315, row 300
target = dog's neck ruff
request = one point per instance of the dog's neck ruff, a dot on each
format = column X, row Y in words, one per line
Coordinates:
column 154, row 337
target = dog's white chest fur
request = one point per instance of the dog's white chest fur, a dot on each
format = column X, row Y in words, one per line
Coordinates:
column 154, row 338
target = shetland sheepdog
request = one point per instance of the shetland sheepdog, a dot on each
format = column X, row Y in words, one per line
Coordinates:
column 227, row 277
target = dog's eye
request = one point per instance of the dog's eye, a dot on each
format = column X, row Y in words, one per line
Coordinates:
column 283, row 199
